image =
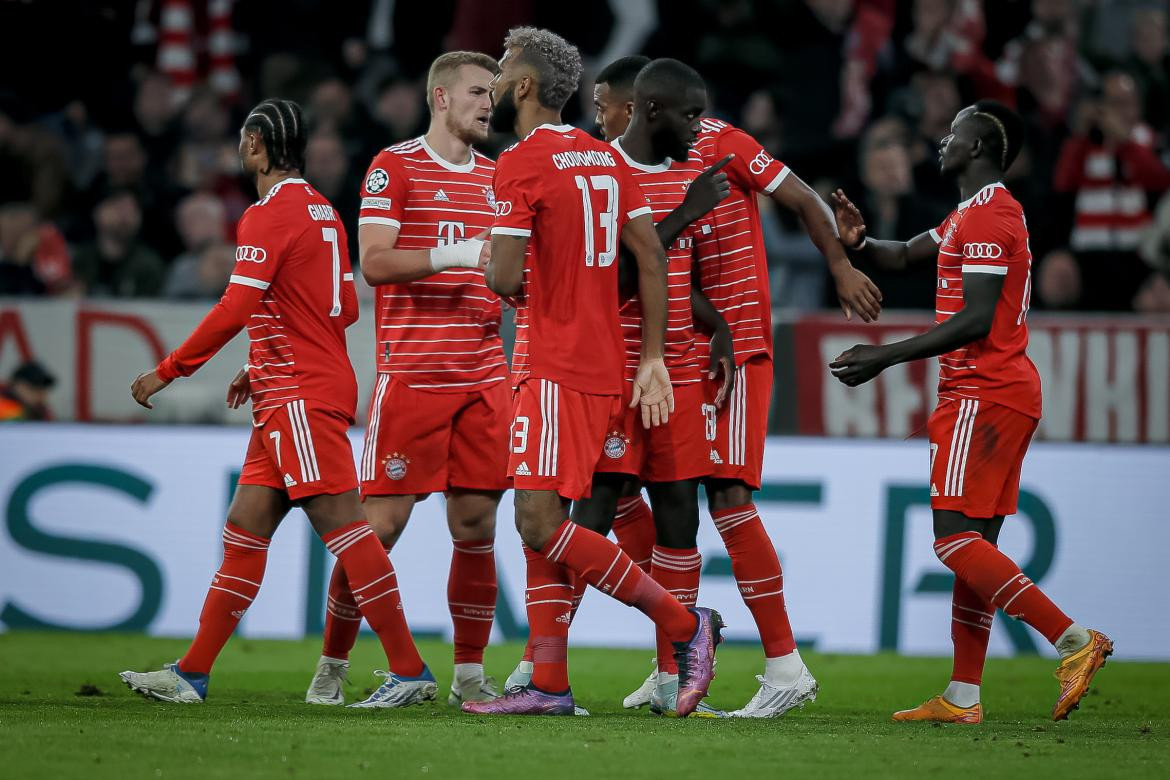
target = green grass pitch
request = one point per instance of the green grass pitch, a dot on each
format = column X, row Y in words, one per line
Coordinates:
column 64, row 714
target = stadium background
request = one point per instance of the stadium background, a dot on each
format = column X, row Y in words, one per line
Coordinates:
column 119, row 190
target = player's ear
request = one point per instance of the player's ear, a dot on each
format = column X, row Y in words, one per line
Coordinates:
column 440, row 98
column 523, row 87
column 651, row 109
column 629, row 109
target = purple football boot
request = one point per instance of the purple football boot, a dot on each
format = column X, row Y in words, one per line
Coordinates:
column 523, row 701
column 696, row 660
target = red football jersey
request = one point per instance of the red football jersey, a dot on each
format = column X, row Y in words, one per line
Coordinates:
column 293, row 288
column 570, row 195
column 735, row 277
column 987, row 234
column 665, row 186
column 441, row 332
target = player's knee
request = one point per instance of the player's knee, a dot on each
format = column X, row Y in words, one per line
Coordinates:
column 473, row 527
column 722, row 495
column 534, row 528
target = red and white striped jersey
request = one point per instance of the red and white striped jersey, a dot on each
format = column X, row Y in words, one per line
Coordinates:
column 735, row 275
column 293, row 288
column 568, row 194
column 440, row 333
column 987, row 234
column 665, row 186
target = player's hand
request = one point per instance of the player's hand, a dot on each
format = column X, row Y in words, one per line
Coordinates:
column 239, row 390
column 850, row 225
column 858, row 294
column 145, row 386
column 859, row 364
column 707, row 190
column 653, row 392
column 485, row 252
column 722, row 361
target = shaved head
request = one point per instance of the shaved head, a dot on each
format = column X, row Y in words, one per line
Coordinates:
column 665, row 79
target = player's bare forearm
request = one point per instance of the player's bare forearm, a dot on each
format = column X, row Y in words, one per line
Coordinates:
column 706, row 313
column 673, row 224
column 796, row 196
column 505, row 271
column 897, row 255
column 973, row 322
column 641, row 239
column 387, row 265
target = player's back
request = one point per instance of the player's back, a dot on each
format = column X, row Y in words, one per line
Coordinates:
column 566, row 192
column 736, row 276
column 988, row 234
column 301, row 260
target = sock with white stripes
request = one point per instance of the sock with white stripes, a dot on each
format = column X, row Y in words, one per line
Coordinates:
column 603, row 565
column 971, row 618
column 232, row 590
column 471, row 597
column 678, row 572
column 994, row 576
column 375, row 589
column 757, row 572
column 548, row 600
column 343, row 619
column 633, row 527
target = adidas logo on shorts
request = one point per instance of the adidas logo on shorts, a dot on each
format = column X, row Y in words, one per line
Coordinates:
column 289, row 481
column 522, row 470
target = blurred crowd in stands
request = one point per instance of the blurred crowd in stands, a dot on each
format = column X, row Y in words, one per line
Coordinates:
column 119, row 174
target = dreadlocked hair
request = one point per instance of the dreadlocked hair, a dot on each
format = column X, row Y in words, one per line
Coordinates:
column 282, row 127
column 1004, row 130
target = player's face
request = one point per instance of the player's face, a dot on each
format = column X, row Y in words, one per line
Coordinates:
column 613, row 111
column 503, row 95
column 955, row 150
column 469, row 104
column 676, row 124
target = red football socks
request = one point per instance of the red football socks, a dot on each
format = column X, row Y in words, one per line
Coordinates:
column 759, row 576
column 548, row 601
column 633, row 527
column 343, row 619
column 678, row 572
column 375, row 590
column 232, row 590
column 471, row 597
column 971, row 617
column 603, row 565
column 994, row 576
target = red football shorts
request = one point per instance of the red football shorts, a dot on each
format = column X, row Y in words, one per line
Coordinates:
column 976, row 451
column 423, row 441
column 557, row 436
column 742, row 424
column 303, row 450
column 680, row 449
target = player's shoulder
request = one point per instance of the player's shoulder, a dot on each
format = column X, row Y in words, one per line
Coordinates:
column 482, row 159
column 994, row 201
column 711, row 127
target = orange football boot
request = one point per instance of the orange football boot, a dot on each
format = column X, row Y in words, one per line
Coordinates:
column 1076, row 672
column 940, row 710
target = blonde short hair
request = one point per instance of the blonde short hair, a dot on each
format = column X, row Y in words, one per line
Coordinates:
column 445, row 68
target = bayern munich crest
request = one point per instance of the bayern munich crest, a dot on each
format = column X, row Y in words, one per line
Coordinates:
column 396, row 466
column 490, row 195
column 377, row 181
column 615, row 445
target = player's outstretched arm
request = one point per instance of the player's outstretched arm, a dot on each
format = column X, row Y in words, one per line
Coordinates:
column 505, row 268
column 222, row 323
column 890, row 255
column 981, row 291
column 722, row 347
column 854, row 289
column 706, row 192
column 383, row 263
column 652, row 388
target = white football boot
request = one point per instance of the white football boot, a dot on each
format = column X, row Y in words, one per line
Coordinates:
column 401, row 691
column 665, row 698
column 326, row 687
column 772, row 701
column 645, row 693
column 168, row 684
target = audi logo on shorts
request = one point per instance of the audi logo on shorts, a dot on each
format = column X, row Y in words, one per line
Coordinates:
column 503, row 208
column 760, row 163
column 250, row 254
column 982, row 251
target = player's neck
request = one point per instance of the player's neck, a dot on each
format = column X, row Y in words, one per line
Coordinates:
column 637, row 144
column 532, row 116
column 974, row 179
column 266, row 181
column 448, row 146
